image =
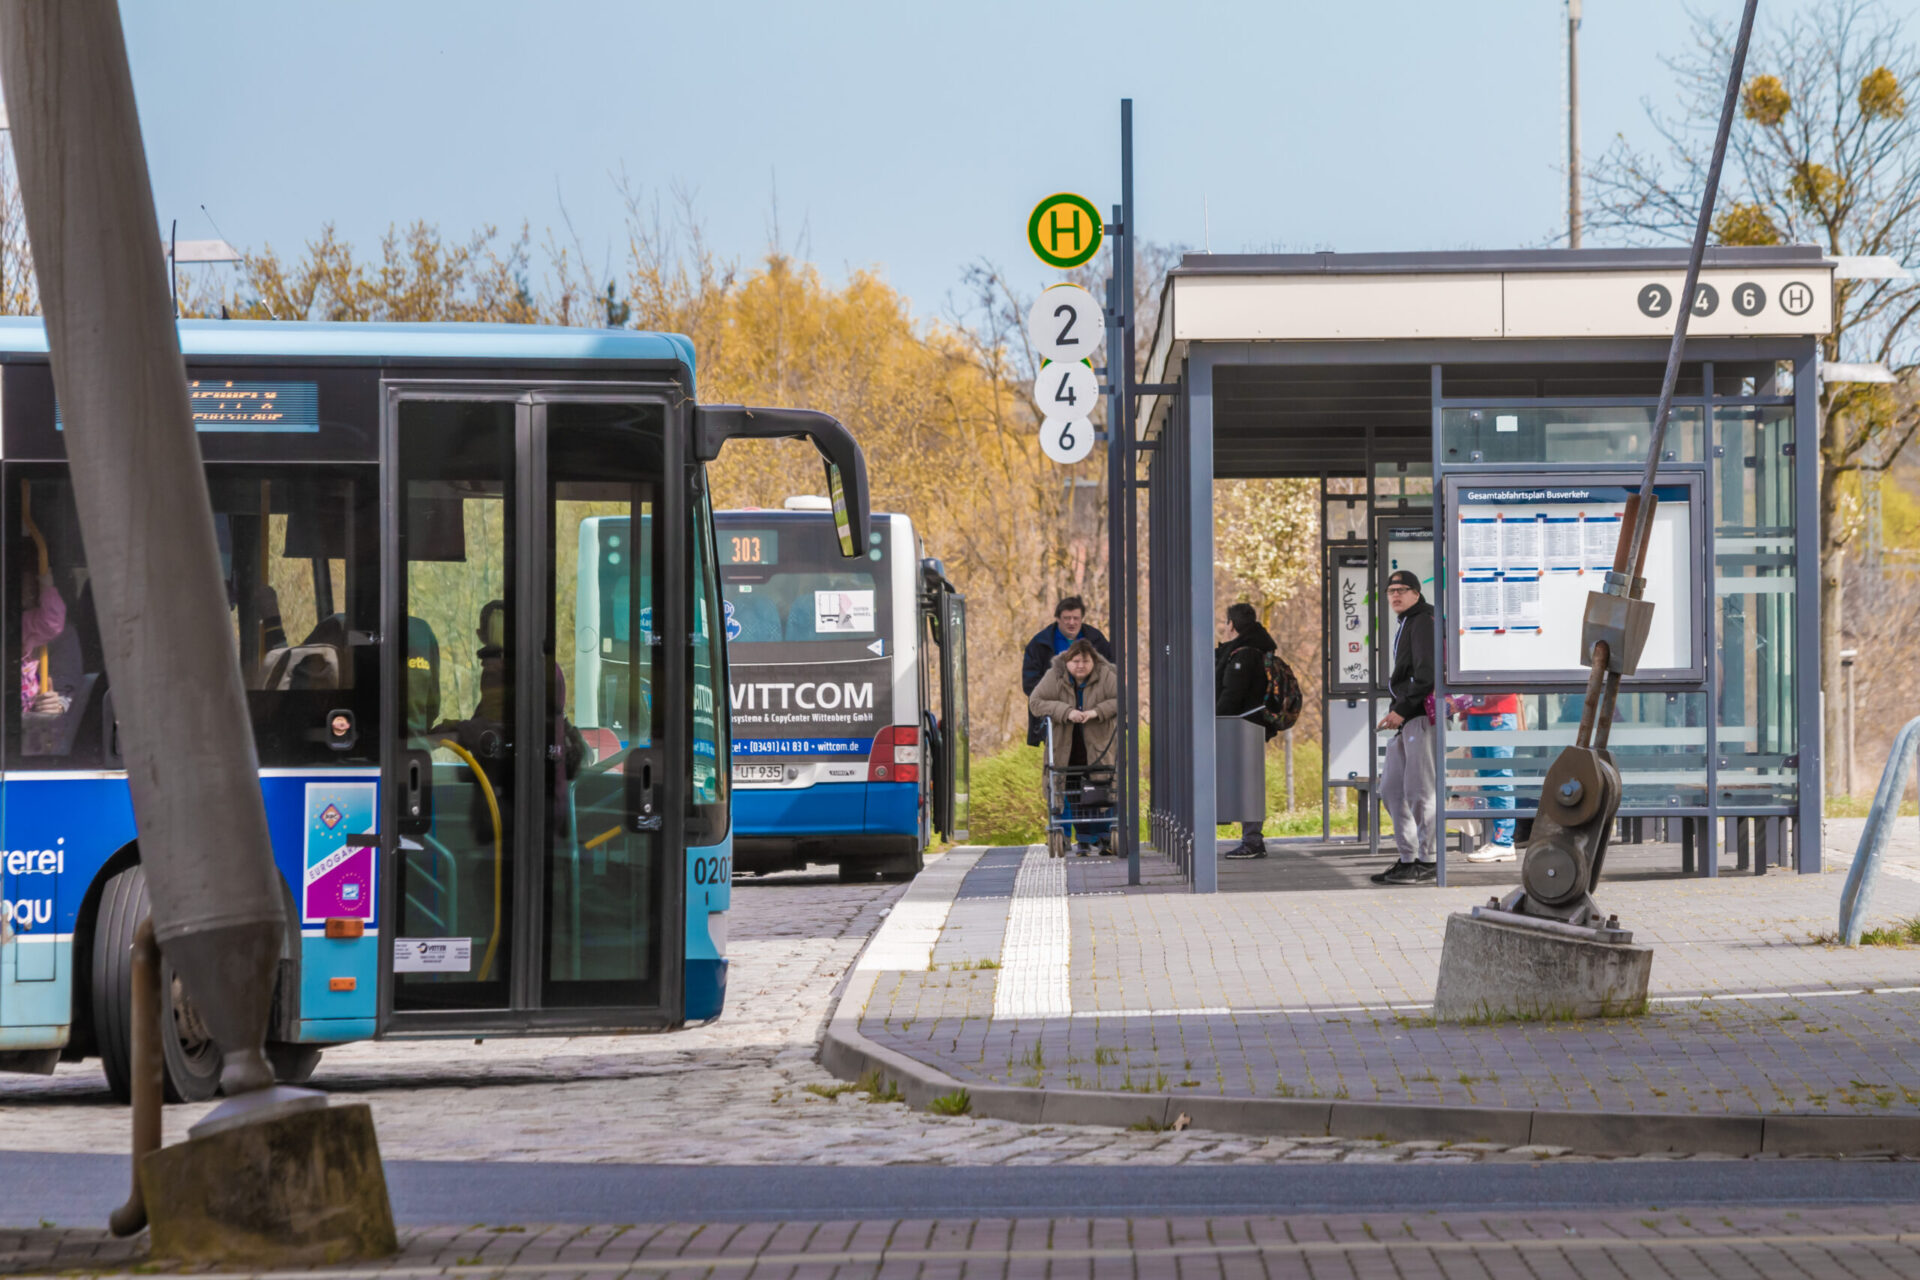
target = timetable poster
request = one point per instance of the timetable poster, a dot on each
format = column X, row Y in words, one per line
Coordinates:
column 1529, row 556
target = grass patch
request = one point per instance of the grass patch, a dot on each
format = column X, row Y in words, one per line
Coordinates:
column 1902, row 933
column 878, row 1088
column 1148, row 1125
column 957, row 1103
column 1035, row 1058
column 1104, row 1057
column 829, row 1091
column 967, row 966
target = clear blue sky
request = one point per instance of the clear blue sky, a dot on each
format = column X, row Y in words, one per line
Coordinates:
column 905, row 136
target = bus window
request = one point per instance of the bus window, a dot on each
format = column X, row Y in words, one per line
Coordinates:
column 299, row 555
column 711, row 776
column 53, row 634
column 299, row 558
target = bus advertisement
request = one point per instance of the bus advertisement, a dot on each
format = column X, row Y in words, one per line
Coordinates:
column 498, row 799
column 847, row 689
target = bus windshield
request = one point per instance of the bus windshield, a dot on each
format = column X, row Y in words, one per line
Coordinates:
column 810, row 634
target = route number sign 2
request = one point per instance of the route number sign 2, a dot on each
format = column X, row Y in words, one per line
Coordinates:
column 1066, row 324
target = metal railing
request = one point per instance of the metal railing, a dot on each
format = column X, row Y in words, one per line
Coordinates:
column 1857, row 896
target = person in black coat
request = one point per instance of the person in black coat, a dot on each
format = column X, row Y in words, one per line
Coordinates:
column 1240, row 689
column 1409, row 783
column 1069, row 624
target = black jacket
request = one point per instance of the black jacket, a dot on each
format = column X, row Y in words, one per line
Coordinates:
column 1413, row 645
column 1240, row 673
column 1039, row 657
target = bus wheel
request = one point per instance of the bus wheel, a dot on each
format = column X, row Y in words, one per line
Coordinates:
column 192, row 1057
column 902, row 866
column 292, row 1063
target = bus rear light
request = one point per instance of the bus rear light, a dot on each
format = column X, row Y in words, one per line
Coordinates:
column 896, row 755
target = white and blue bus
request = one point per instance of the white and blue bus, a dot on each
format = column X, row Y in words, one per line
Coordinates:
column 848, row 694
column 400, row 511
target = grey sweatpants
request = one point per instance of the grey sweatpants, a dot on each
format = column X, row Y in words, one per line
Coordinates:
column 1407, row 788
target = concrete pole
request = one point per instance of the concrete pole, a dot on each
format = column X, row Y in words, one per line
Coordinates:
column 1573, row 124
column 144, row 511
column 1847, row 657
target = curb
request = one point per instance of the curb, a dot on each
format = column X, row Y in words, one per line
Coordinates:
column 848, row 1054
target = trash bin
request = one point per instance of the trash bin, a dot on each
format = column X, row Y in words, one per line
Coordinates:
column 1240, row 770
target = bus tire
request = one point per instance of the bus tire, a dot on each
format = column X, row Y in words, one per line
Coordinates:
column 192, row 1058
column 292, row 1063
column 901, row 866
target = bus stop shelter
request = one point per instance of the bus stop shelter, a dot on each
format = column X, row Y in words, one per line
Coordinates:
column 1481, row 418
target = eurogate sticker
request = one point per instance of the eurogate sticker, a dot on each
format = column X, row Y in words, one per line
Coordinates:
column 339, row 872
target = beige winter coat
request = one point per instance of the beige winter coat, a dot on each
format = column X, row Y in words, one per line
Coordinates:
column 1053, row 698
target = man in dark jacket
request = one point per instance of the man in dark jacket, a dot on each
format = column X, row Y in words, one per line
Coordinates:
column 1069, row 624
column 1240, row 689
column 1408, row 778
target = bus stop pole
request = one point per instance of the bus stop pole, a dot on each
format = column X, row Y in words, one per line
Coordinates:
column 144, row 511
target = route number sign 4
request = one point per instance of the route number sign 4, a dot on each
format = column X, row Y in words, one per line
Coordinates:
column 1066, row 324
column 1066, row 440
column 1065, row 389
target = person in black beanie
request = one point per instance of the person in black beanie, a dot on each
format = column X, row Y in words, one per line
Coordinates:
column 1408, row 778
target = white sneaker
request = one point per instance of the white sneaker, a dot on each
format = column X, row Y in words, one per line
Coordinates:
column 1498, row 851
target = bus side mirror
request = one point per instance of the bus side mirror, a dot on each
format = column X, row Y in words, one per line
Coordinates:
column 846, row 465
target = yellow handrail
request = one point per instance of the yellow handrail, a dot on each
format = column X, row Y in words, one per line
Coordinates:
column 40, row 544
column 493, row 807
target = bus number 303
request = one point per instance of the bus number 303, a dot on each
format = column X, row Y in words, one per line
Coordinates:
column 717, row 870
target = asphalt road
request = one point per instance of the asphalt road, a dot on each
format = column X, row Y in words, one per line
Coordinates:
column 80, row 1190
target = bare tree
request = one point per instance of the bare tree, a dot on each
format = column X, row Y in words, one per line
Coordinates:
column 1824, row 152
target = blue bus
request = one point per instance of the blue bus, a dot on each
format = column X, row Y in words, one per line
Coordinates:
column 848, row 694
column 399, row 511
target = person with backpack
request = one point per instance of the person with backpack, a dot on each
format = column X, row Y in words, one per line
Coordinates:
column 1251, row 680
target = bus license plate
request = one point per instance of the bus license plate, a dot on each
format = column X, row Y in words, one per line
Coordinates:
column 758, row 773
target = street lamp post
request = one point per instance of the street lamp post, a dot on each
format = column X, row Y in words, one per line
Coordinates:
column 1846, row 761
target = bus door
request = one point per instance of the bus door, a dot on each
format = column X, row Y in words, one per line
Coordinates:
column 951, row 766
column 534, row 866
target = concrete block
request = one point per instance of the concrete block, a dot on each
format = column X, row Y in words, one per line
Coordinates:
column 1398, row 1122
column 1003, row 1102
column 300, row 1189
column 1496, row 972
column 1618, row 1131
column 1801, row 1135
column 1120, row 1110
column 1257, row 1117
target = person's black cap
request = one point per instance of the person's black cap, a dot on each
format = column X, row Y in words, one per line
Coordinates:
column 1404, row 578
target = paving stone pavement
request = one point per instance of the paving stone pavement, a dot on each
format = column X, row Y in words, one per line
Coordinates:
column 745, row 1090
column 1323, row 994
column 1770, row 1242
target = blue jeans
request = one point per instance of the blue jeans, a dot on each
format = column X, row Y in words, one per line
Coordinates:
column 1499, row 796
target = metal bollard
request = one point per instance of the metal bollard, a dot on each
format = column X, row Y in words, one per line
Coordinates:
column 148, row 1072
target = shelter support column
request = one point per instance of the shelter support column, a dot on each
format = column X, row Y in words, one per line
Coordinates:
column 1199, row 763
column 1811, row 792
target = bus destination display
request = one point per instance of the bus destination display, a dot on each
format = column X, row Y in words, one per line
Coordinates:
column 750, row 546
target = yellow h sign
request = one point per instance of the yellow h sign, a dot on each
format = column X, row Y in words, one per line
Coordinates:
column 1065, row 230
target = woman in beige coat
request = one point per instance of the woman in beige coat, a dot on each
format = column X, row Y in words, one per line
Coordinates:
column 1080, row 694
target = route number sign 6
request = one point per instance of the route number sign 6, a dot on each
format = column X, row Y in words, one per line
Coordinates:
column 1066, row 440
